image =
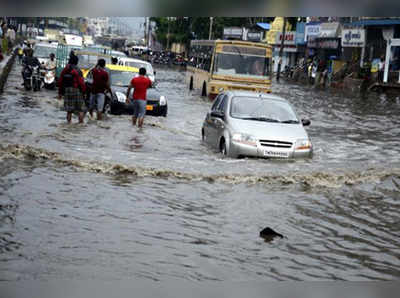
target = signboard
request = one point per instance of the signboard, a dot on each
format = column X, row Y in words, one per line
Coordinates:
column 353, row 38
column 323, row 43
column 233, row 32
column 329, row 29
column 300, row 28
column 73, row 40
column 312, row 31
column 290, row 38
column 254, row 36
column 328, row 43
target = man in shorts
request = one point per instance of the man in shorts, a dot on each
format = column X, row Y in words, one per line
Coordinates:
column 140, row 84
column 72, row 86
column 99, row 86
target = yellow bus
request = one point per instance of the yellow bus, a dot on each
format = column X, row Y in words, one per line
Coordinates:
column 218, row 65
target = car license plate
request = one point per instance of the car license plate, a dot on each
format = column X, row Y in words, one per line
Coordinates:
column 149, row 108
column 270, row 153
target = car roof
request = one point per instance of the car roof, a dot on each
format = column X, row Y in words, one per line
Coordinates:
column 133, row 60
column 122, row 68
column 255, row 94
column 46, row 44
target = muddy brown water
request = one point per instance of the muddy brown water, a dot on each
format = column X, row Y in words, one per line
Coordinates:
column 104, row 200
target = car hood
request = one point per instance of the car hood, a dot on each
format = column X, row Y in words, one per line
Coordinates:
column 152, row 93
column 269, row 130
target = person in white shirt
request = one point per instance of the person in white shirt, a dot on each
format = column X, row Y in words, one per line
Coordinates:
column 51, row 63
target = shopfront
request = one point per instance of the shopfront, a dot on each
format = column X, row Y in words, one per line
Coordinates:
column 289, row 53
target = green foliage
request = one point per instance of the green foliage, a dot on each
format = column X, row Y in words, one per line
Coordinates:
column 184, row 29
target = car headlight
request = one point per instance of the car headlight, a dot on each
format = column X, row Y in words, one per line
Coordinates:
column 163, row 100
column 303, row 144
column 244, row 139
column 120, row 96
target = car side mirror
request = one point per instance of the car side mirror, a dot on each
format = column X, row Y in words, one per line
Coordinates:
column 154, row 73
column 305, row 122
column 218, row 114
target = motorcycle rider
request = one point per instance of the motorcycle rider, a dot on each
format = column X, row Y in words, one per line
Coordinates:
column 29, row 61
column 51, row 63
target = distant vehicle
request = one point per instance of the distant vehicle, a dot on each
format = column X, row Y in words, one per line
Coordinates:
column 118, row 54
column 222, row 65
column 138, row 50
column 137, row 63
column 43, row 50
column 121, row 77
column 242, row 123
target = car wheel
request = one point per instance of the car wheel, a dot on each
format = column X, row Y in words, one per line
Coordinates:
column 223, row 149
column 164, row 112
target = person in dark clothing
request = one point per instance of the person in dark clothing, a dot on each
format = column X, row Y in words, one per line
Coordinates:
column 72, row 86
column 28, row 61
column 99, row 86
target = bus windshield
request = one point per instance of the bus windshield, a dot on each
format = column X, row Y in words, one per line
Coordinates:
column 237, row 64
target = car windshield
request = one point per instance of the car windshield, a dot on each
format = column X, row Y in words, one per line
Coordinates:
column 87, row 61
column 138, row 65
column 242, row 65
column 43, row 51
column 121, row 78
column 261, row 109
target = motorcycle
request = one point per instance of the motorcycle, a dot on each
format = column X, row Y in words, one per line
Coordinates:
column 31, row 76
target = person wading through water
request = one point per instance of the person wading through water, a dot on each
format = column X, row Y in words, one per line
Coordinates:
column 99, row 87
column 140, row 84
column 72, row 86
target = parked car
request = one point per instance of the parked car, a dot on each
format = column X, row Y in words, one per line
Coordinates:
column 242, row 123
column 121, row 77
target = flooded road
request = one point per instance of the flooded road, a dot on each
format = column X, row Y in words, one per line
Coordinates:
column 105, row 200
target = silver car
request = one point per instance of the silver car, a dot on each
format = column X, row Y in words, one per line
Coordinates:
column 252, row 124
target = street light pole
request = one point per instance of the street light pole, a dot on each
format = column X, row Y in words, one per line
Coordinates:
column 211, row 24
column 168, row 35
column 281, row 50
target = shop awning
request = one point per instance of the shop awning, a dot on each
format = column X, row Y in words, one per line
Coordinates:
column 381, row 22
column 264, row 26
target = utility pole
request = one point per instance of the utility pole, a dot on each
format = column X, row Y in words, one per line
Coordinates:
column 168, row 35
column 145, row 31
column 281, row 49
column 211, row 24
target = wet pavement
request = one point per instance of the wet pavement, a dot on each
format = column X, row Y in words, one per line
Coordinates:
column 105, row 200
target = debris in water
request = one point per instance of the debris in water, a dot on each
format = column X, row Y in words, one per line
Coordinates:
column 269, row 234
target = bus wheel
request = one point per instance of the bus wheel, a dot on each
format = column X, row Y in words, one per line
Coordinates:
column 191, row 83
column 204, row 90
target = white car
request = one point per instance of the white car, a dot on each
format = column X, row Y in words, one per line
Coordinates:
column 242, row 123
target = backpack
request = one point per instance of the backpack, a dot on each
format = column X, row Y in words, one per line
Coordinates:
column 68, row 78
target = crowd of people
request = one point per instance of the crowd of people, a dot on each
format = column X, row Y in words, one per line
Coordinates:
column 7, row 38
column 72, row 88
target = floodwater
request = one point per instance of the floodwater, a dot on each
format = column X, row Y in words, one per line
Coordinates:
column 106, row 201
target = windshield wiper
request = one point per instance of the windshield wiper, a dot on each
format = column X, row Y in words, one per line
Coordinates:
column 260, row 119
column 290, row 121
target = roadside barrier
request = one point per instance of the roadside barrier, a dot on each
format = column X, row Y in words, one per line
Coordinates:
column 5, row 71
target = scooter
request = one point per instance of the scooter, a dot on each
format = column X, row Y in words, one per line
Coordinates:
column 31, row 75
column 49, row 79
